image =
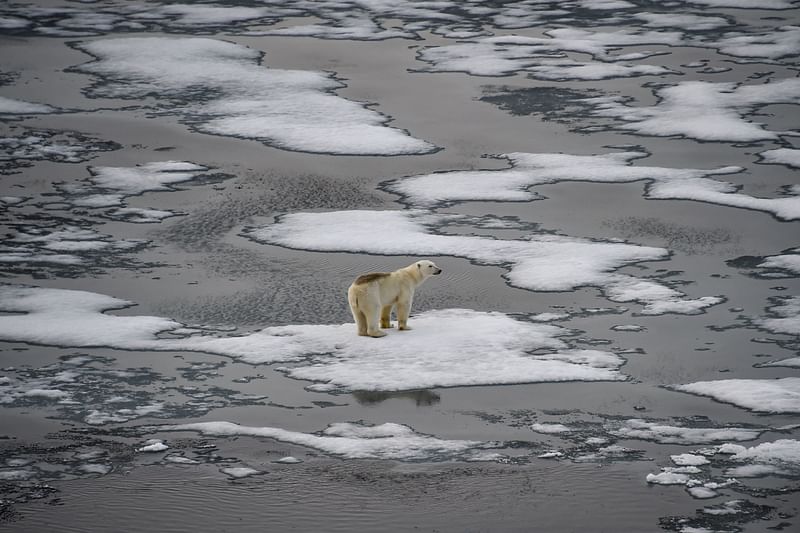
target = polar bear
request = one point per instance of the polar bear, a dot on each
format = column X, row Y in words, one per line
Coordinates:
column 372, row 296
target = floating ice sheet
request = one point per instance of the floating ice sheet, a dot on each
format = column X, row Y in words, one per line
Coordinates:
column 452, row 347
column 702, row 110
column 668, row 434
column 530, row 169
column 19, row 107
column 355, row 441
column 784, row 316
column 761, row 395
column 221, row 88
column 545, row 57
column 781, row 156
column 538, row 262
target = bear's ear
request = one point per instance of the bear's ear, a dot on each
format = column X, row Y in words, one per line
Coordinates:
column 419, row 266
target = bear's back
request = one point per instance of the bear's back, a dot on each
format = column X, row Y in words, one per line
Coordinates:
column 368, row 278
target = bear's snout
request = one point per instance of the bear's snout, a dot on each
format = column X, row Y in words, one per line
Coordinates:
column 438, row 271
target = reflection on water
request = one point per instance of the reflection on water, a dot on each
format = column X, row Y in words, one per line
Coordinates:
column 419, row 397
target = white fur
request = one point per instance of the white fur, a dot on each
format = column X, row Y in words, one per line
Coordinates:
column 371, row 301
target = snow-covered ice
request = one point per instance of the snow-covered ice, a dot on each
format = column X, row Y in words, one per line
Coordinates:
column 530, row 169
column 783, row 317
column 289, row 109
column 19, row 107
column 352, row 441
column 702, row 110
column 540, row 262
column 666, row 434
column 781, row 156
column 472, row 348
column 780, row 395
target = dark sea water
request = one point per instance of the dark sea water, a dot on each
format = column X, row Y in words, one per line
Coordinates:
column 283, row 122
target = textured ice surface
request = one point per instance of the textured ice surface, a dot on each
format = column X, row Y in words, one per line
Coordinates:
column 761, row 395
column 545, row 56
column 538, row 262
column 784, row 316
column 451, row 347
column 666, row 434
column 19, row 107
column 782, row 156
column 702, row 110
column 221, row 88
column 353, row 441
column 529, row 170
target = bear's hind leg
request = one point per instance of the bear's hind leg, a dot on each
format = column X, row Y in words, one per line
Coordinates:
column 361, row 321
column 372, row 324
column 386, row 314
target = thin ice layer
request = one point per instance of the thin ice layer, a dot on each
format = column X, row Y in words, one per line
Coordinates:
column 538, row 262
column 221, row 88
column 451, row 347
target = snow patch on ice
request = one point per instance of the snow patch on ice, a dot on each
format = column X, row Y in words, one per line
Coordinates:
column 352, row 441
column 666, row 434
column 781, row 156
column 702, row 110
column 538, row 262
column 780, row 395
column 472, row 348
column 288, row 109
column 11, row 106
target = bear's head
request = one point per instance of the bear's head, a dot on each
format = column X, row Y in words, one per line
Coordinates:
column 428, row 268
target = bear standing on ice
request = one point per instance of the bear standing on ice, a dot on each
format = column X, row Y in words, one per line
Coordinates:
column 372, row 296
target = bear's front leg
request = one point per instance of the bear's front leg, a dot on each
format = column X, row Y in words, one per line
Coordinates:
column 386, row 314
column 403, row 309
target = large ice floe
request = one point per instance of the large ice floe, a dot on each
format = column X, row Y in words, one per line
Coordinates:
column 702, row 110
column 530, row 169
column 538, row 262
column 221, row 88
column 780, row 395
column 545, row 57
column 451, row 347
column 356, row 441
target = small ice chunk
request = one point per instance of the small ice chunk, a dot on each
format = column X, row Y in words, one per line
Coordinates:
column 153, row 445
column 239, row 472
column 550, row 428
column 668, row 478
column 701, row 492
column 288, row 460
column 688, row 459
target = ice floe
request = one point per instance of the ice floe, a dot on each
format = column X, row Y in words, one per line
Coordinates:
column 530, row 169
column 153, row 446
column 92, row 390
column 545, row 57
column 781, row 156
column 289, row 109
column 19, row 107
column 355, row 441
column 60, row 146
column 780, row 395
column 538, row 262
column 668, row 434
column 472, row 348
column 784, row 316
column 702, row 110
column 65, row 245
